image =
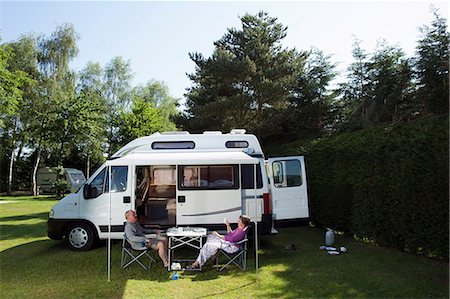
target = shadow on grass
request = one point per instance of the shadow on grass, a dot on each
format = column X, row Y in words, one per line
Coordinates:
column 11, row 232
column 20, row 231
column 48, row 268
column 42, row 216
column 224, row 293
column 29, row 197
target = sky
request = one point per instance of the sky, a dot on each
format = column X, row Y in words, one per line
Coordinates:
column 157, row 36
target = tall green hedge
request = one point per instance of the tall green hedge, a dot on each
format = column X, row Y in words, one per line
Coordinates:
column 386, row 184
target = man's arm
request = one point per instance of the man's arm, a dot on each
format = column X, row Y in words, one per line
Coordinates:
column 131, row 235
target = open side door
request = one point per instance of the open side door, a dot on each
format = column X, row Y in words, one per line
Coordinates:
column 287, row 178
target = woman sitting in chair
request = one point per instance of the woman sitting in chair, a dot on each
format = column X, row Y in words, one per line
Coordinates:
column 217, row 241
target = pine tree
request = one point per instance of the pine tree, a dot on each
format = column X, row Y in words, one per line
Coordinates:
column 431, row 65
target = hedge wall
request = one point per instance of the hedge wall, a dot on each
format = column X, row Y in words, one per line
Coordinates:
column 386, row 184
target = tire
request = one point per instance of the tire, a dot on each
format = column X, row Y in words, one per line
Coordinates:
column 80, row 236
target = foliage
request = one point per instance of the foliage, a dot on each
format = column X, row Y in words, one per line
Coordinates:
column 117, row 90
column 22, row 60
column 10, row 83
column 67, row 119
column 142, row 120
column 432, row 65
column 247, row 76
column 388, row 184
column 313, row 108
column 61, row 183
column 379, row 88
column 92, row 116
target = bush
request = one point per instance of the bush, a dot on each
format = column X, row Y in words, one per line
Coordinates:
column 386, row 184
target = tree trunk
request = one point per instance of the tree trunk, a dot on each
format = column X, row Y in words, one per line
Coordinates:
column 11, row 163
column 88, row 166
column 35, row 169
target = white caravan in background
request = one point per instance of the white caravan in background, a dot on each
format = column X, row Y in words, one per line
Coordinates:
column 177, row 179
column 47, row 178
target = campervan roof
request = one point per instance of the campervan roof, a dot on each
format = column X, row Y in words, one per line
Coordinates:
column 209, row 141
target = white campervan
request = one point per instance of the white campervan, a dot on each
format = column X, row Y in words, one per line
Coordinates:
column 176, row 179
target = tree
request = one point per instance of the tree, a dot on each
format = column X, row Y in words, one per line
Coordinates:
column 49, row 126
column 390, row 85
column 247, row 75
column 431, row 65
column 18, row 74
column 157, row 93
column 379, row 87
column 91, row 110
column 152, row 110
column 355, row 92
column 312, row 108
column 117, row 90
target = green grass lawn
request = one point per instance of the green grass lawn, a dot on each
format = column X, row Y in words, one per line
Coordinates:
column 33, row 266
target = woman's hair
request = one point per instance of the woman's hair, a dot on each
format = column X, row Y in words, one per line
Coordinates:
column 245, row 220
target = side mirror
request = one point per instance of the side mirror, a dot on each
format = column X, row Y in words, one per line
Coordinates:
column 86, row 190
column 89, row 191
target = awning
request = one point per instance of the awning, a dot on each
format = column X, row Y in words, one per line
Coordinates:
column 191, row 158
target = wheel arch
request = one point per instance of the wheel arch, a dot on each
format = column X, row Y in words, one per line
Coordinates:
column 71, row 222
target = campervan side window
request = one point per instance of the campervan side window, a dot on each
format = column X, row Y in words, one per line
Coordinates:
column 167, row 145
column 247, row 178
column 208, row 177
column 236, row 144
column 286, row 173
column 119, row 178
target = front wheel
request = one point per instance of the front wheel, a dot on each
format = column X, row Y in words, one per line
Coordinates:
column 80, row 236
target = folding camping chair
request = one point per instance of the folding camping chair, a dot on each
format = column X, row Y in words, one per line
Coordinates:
column 131, row 255
column 239, row 258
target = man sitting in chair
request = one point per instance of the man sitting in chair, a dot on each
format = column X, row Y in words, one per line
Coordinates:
column 136, row 237
column 217, row 241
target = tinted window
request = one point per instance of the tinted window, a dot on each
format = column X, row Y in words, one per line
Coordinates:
column 286, row 173
column 173, row 145
column 247, row 178
column 236, row 144
column 208, row 177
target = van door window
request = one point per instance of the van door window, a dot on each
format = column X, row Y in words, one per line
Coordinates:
column 247, row 177
column 119, row 178
column 286, row 173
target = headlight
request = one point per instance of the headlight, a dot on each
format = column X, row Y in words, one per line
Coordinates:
column 51, row 214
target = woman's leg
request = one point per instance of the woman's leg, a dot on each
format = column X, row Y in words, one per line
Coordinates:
column 208, row 250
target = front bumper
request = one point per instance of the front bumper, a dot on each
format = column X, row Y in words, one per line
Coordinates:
column 55, row 228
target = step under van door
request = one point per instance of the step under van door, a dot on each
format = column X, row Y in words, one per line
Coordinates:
column 287, row 178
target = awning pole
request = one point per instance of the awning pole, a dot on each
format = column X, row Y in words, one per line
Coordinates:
column 256, row 222
column 109, row 225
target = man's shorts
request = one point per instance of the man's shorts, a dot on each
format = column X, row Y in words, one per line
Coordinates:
column 153, row 243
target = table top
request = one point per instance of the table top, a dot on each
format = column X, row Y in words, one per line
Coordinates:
column 186, row 231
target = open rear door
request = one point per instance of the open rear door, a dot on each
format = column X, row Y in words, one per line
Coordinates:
column 287, row 178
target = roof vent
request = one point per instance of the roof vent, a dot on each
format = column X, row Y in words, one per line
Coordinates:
column 212, row 133
column 238, row 131
column 175, row 133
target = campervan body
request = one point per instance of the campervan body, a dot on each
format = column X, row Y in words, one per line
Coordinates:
column 182, row 179
column 47, row 178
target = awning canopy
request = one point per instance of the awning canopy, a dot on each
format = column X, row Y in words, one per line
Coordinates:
column 191, row 158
